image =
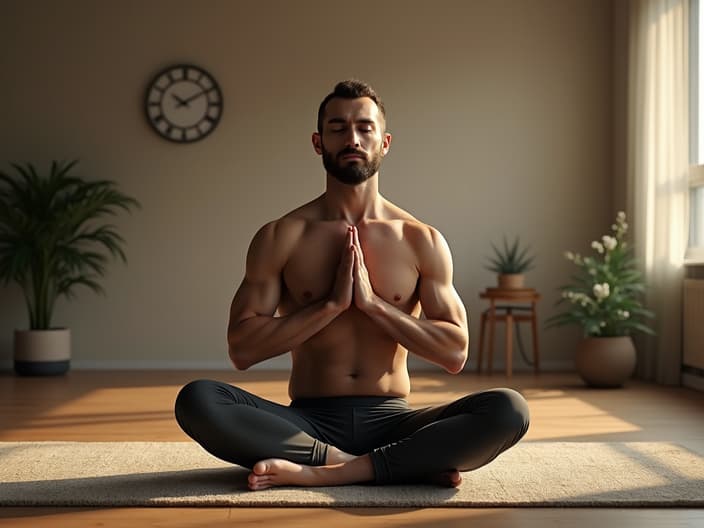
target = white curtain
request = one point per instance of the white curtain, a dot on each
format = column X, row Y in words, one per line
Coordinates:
column 657, row 167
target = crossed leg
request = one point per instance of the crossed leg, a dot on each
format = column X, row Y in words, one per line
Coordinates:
column 284, row 448
column 427, row 445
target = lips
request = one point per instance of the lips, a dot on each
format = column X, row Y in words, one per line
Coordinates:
column 352, row 155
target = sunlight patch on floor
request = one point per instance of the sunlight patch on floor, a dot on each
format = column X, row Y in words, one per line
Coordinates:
column 569, row 417
column 107, row 412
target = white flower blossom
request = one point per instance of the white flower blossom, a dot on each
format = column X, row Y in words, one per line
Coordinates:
column 622, row 314
column 597, row 306
column 601, row 291
column 597, row 245
column 610, row 243
column 577, row 298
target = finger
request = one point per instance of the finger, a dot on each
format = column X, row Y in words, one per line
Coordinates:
column 358, row 245
column 347, row 250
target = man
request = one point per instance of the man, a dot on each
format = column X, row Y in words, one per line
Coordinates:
column 340, row 283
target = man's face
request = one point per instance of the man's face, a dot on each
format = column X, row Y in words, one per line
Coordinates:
column 353, row 140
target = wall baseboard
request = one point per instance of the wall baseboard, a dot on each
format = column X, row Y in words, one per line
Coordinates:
column 693, row 381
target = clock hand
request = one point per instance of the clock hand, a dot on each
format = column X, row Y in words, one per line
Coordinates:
column 181, row 102
column 195, row 95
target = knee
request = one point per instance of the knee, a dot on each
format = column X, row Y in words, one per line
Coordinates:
column 510, row 409
column 190, row 400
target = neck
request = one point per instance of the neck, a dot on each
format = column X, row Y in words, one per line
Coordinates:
column 352, row 203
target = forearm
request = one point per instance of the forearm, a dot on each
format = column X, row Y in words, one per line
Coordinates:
column 441, row 342
column 263, row 337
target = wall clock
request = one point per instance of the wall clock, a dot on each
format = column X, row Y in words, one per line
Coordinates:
column 183, row 103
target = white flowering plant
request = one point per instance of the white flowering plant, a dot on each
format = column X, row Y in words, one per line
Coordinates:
column 605, row 297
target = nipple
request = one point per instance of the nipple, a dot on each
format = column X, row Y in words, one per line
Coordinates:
column 397, row 297
column 307, row 294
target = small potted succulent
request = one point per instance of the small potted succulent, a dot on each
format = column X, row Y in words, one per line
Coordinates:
column 510, row 264
column 604, row 300
column 51, row 237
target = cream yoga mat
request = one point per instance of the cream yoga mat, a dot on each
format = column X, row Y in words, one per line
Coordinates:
column 182, row 474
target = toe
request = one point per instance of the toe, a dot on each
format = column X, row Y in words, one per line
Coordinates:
column 261, row 468
column 259, row 483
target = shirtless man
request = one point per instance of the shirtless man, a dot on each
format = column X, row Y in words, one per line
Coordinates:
column 340, row 283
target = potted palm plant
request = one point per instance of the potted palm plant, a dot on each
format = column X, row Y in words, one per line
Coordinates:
column 510, row 264
column 605, row 301
column 52, row 239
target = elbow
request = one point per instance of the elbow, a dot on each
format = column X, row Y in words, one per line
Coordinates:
column 239, row 360
column 239, row 357
column 458, row 358
column 456, row 362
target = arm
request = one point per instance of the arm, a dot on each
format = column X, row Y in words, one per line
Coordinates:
column 442, row 338
column 253, row 333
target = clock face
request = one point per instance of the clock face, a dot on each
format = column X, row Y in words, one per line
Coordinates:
column 183, row 103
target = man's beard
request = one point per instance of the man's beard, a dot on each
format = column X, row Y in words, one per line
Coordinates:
column 351, row 173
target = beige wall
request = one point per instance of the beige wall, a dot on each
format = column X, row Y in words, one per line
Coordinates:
column 501, row 115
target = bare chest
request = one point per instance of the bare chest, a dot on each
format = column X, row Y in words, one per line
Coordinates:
column 309, row 274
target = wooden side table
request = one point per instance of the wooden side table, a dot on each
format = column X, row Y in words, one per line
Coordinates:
column 524, row 299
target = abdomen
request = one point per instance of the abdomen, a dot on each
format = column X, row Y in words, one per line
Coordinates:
column 350, row 357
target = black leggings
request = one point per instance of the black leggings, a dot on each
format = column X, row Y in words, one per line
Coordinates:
column 405, row 445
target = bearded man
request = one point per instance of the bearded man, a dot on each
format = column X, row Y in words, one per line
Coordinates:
column 339, row 283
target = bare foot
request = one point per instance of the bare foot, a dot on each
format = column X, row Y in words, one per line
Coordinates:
column 278, row 472
column 448, row 479
column 274, row 472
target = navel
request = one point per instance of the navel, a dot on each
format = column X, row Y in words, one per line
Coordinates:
column 397, row 297
column 307, row 294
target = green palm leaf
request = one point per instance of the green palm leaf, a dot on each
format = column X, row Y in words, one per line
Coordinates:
column 51, row 235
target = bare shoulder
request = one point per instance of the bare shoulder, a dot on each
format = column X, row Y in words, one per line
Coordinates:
column 432, row 253
column 278, row 238
column 272, row 244
column 288, row 228
column 420, row 235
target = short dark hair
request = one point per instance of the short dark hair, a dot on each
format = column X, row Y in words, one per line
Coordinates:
column 350, row 89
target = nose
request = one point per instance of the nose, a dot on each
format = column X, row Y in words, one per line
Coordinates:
column 352, row 138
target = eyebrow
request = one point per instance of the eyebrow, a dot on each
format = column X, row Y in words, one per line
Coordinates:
column 365, row 120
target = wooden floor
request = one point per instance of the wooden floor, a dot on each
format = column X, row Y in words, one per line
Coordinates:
column 129, row 405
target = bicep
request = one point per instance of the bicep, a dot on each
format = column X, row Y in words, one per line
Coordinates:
column 438, row 297
column 440, row 301
column 260, row 290
column 255, row 297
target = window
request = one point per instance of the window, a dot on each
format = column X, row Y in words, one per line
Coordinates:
column 695, row 251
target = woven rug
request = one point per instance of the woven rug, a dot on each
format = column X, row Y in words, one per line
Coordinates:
column 652, row 474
